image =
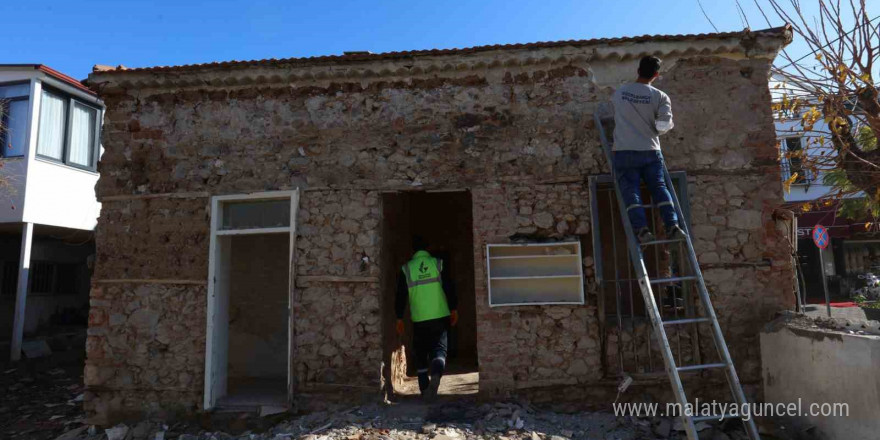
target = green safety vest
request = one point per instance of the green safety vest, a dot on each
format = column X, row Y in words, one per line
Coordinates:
column 426, row 297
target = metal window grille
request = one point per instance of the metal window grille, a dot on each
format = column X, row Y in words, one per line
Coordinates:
column 627, row 335
column 8, row 278
column 791, row 165
column 42, row 277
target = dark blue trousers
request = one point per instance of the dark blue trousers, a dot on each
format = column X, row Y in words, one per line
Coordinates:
column 631, row 168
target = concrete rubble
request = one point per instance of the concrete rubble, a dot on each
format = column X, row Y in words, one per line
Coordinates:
column 409, row 421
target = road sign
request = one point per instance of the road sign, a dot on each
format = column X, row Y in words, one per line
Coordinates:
column 820, row 237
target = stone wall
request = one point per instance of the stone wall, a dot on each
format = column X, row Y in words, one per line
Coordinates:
column 515, row 127
column 532, row 346
column 146, row 348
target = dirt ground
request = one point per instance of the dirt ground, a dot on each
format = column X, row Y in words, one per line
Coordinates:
column 41, row 399
column 461, row 384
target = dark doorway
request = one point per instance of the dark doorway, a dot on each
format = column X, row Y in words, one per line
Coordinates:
column 445, row 220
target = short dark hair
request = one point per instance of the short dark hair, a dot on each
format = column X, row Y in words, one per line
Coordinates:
column 649, row 66
column 419, row 243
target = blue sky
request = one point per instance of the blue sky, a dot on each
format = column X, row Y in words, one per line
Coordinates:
column 73, row 36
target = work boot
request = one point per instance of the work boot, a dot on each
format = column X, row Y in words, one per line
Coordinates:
column 437, row 367
column 674, row 232
column 424, row 382
column 644, row 235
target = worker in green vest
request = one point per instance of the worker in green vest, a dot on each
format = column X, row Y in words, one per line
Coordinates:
column 432, row 305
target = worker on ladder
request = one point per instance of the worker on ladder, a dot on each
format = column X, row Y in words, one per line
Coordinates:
column 641, row 114
column 432, row 304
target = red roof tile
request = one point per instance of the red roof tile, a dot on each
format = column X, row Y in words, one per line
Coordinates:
column 64, row 78
column 781, row 32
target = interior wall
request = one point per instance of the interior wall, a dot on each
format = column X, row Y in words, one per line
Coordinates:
column 258, row 306
column 445, row 220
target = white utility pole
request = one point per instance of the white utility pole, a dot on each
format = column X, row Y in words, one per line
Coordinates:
column 24, row 268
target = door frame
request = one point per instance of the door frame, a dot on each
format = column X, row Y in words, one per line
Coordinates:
column 217, row 334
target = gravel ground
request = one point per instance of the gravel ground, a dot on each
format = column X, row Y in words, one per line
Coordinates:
column 41, row 400
column 465, row 420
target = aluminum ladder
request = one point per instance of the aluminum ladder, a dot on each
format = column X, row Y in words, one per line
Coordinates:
column 604, row 114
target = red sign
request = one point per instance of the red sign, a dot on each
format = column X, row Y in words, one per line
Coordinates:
column 820, row 236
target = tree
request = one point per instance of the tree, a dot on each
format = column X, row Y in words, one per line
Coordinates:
column 5, row 183
column 832, row 90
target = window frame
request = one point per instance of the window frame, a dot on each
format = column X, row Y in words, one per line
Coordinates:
column 4, row 122
column 16, row 83
column 4, row 118
column 69, row 104
column 803, row 178
column 494, row 301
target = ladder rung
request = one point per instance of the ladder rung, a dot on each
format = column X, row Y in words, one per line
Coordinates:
column 649, row 243
column 721, row 417
column 673, row 279
column 701, row 367
column 686, row 321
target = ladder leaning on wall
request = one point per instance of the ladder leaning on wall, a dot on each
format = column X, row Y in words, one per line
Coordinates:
column 603, row 117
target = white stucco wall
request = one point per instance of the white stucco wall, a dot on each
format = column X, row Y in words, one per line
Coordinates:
column 813, row 366
column 46, row 192
column 12, row 196
column 59, row 195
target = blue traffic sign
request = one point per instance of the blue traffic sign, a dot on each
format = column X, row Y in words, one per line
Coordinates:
column 820, row 237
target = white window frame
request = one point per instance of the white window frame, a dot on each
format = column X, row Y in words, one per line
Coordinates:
column 579, row 275
column 214, row 339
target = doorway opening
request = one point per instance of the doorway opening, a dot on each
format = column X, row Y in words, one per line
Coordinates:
column 247, row 362
column 257, row 357
column 445, row 221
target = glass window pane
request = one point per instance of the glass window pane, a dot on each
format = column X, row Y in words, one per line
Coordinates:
column 257, row 214
column 14, row 128
column 15, row 91
column 53, row 115
column 82, row 135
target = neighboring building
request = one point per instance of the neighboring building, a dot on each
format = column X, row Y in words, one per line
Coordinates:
column 51, row 130
column 234, row 191
column 854, row 250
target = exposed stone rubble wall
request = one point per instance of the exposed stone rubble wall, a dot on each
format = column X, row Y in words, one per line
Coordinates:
column 337, row 328
column 517, row 132
column 532, row 346
column 146, row 348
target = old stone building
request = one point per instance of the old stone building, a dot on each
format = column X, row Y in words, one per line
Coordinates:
column 232, row 190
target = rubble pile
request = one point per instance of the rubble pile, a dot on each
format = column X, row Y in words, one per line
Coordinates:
column 40, row 399
column 413, row 421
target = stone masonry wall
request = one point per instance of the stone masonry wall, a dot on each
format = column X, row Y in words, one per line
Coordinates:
column 338, row 336
column 146, row 347
column 532, row 346
column 518, row 134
